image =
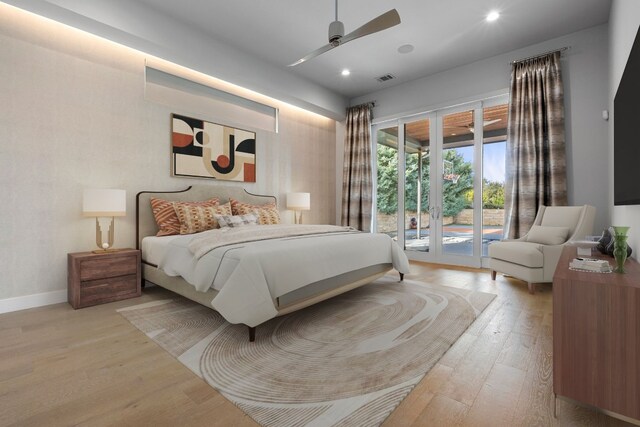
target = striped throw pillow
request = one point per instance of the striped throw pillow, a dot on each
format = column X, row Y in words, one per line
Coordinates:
column 166, row 217
column 267, row 213
column 194, row 219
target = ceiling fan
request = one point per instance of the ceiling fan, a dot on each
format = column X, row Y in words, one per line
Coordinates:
column 472, row 129
column 337, row 36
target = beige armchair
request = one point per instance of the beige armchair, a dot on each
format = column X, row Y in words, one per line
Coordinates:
column 534, row 256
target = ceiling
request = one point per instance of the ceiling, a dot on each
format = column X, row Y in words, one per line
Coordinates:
column 445, row 34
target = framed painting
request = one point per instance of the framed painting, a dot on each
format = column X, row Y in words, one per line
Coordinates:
column 201, row 149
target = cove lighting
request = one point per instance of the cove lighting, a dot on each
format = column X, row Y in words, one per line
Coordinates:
column 345, row 72
column 493, row 16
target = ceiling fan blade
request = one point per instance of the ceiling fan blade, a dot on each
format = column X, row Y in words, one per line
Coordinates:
column 313, row 54
column 382, row 22
column 490, row 122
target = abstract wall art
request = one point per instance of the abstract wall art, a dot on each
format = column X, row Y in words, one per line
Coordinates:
column 203, row 149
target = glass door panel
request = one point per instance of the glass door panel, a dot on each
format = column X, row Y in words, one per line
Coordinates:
column 440, row 181
column 387, row 181
column 494, row 143
column 457, row 183
column 417, row 150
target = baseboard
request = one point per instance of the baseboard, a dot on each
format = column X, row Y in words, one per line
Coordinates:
column 30, row 301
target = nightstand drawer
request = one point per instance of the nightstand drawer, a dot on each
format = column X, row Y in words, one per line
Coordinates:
column 105, row 290
column 111, row 266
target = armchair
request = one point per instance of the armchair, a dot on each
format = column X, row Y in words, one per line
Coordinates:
column 534, row 256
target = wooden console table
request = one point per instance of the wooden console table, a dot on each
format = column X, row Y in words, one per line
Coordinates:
column 596, row 337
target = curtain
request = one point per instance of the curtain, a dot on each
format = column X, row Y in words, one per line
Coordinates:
column 357, row 189
column 536, row 164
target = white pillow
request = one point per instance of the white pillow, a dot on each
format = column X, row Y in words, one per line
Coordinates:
column 236, row 220
column 546, row 235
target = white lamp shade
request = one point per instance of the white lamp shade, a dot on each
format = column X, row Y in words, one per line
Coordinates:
column 299, row 201
column 104, row 202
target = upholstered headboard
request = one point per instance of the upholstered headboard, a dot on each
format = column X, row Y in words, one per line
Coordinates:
column 146, row 224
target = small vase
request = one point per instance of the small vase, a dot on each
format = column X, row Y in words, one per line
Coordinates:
column 620, row 247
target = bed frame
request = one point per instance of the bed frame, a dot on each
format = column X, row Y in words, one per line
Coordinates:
column 296, row 300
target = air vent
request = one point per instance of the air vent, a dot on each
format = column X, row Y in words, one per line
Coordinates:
column 385, row 78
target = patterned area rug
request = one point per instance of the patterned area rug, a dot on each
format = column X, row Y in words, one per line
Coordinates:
column 348, row 361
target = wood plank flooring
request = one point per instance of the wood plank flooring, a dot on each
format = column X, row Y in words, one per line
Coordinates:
column 91, row 367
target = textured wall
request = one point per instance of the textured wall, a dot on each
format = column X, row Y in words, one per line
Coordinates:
column 73, row 115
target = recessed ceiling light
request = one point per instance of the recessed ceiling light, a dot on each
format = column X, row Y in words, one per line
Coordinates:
column 345, row 72
column 493, row 15
column 405, row 48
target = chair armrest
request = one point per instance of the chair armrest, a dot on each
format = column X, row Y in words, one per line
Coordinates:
column 550, row 255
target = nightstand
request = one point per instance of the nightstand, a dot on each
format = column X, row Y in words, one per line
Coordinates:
column 97, row 278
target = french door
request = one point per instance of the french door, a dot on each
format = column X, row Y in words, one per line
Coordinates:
column 430, row 181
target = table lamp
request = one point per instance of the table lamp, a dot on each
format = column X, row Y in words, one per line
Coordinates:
column 102, row 204
column 298, row 202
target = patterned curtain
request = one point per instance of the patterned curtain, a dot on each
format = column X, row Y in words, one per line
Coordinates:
column 536, row 164
column 357, row 189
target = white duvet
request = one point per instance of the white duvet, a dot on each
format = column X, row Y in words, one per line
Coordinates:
column 250, row 275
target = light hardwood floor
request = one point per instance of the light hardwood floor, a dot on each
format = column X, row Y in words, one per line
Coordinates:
column 92, row 367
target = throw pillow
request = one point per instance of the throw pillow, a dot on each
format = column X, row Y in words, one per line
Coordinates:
column 547, row 235
column 267, row 214
column 194, row 219
column 166, row 217
column 233, row 221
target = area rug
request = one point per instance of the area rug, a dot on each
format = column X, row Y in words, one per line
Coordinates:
column 348, row 361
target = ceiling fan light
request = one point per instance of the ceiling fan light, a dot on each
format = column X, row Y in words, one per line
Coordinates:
column 345, row 72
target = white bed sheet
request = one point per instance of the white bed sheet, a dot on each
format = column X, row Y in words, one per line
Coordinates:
column 250, row 275
column 155, row 248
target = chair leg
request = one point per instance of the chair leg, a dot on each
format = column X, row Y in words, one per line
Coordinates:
column 532, row 288
column 493, row 274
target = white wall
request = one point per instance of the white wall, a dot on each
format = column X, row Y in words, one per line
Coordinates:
column 624, row 20
column 585, row 76
column 73, row 115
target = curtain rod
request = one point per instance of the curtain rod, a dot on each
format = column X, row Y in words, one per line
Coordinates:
column 562, row 49
column 370, row 104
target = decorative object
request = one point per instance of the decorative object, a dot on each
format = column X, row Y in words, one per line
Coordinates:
column 349, row 360
column 606, row 243
column 166, row 217
column 298, row 202
column 101, row 204
column 620, row 247
column 202, row 149
column 267, row 213
column 584, row 247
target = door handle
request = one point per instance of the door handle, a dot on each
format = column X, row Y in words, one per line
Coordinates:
column 435, row 211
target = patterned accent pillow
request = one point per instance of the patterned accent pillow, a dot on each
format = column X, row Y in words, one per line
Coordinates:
column 233, row 221
column 267, row 213
column 166, row 217
column 194, row 219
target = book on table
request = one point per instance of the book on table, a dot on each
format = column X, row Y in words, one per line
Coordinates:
column 590, row 264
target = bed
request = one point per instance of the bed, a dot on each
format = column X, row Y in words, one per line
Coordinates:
column 252, row 282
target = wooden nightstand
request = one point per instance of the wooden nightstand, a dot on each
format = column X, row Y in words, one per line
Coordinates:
column 104, row 277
